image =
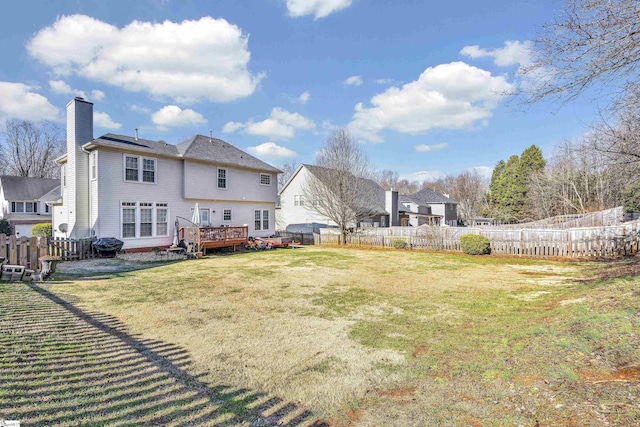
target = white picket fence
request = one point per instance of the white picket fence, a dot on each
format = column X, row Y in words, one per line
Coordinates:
column 604, row 241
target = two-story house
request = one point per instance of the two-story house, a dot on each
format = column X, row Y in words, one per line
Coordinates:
column 296, row 211
column 133, row 188
column 427, row 207
column 24, row 201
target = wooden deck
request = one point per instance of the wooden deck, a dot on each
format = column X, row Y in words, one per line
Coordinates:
column 214, row 237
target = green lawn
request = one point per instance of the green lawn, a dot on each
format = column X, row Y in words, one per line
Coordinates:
column 362, row 337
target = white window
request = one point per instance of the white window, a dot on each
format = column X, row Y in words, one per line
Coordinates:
column 226, row 215
column 298, row 200
column 144, row 219
column 162, row 219
column 140, row 169
column 24, row 207
column 222, row 178
column 94, row 165
column 131, row 168
column 257, row 219
column 46, row 208
column 128, row 220
column 265, row 179
column 148, row 170
column 261, row 219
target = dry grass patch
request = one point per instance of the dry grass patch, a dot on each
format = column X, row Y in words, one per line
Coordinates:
column 344, row 332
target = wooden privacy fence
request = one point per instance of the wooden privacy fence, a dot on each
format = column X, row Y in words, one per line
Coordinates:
column 608, row 241
column 27, row 251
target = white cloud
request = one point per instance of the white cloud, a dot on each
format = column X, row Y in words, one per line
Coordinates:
column 97, row 95
column 19, row 101
column 174, row 116
column 353, row 81
column 483, row 171
column 188, row 61
column 513, row 53
column 231, row 127
column 385, row 81
column 304, row 97
column 271, row 151
column 103, row 120
column 422, row 176
column 139, row 109
column 448, row 96
column 425, row 148
column 61, row 87
column 318, row 8
column 281, row 125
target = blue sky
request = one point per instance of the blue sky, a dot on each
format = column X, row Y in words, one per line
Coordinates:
column 418, row 83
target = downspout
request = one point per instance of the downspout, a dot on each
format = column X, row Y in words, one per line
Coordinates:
column 89, row 190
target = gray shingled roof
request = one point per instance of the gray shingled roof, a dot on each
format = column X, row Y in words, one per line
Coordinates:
column 425, row 197
column 369, row 186
column 216, row 150
column 23, row 188
column 197, row 148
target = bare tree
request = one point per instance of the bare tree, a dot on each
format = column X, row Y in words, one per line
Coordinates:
column 470, row 191
column 287, row 168
column 340, row 185
column 590, row 43
column 29, row 149
column 388, row 179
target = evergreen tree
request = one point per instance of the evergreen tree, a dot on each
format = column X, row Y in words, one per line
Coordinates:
column 510, row 185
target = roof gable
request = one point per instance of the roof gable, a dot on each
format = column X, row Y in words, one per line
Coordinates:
column 26, row 188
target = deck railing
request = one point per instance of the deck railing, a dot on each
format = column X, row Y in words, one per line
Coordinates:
column 213, row 237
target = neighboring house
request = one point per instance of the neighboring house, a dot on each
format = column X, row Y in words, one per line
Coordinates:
column 295, row 210
column 133, row 189
column 426, row 207
column 24, row 201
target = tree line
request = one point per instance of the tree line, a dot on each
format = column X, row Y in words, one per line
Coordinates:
column 29, row 149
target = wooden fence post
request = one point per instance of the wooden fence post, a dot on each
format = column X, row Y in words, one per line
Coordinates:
column 3, row 246
column 13, row 250
column 33, row 253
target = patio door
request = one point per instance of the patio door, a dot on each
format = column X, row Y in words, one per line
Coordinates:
column 205, row 217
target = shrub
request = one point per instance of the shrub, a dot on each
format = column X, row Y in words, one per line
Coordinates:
column 475, row 244
column 42, row 230
column 5, row 227
column 400, row 244
column 631, row 196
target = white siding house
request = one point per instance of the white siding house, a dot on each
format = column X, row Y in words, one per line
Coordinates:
column 24, row 202
column 296, row 210
column 133, row 189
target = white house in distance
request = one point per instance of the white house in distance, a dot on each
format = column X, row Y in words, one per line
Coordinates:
column 298, row 214
column 133, row 189
column 23, row 201
column 427, row 207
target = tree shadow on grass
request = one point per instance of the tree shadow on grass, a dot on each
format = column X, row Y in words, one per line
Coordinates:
column 60, row 365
